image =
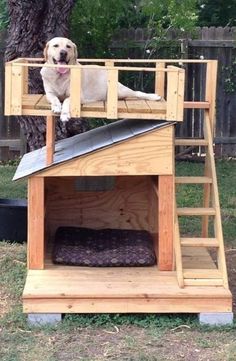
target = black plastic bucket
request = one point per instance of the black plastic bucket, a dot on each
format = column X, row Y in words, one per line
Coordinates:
column 13, row 220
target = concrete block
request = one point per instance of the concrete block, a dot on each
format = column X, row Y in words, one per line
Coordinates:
column 40, row 319
column 216, row 318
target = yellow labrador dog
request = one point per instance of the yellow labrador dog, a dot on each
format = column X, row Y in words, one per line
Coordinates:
column 56, row 81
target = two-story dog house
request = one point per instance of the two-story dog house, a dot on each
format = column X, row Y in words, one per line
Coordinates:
column 121, row 176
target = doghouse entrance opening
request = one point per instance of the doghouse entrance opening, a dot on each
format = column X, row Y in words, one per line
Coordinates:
column 102, row 228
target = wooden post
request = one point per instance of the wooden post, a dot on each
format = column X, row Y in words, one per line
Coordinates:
column 112, row 93
column 172, row 94
column 160, row 80
column 50, row 139
column 165, row 222
column 36, row 223
column 75, row 92
column 211, row 85
column 17, row 90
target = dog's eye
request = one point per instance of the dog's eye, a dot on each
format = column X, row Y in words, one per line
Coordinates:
column 68, row 46
column 55, row 45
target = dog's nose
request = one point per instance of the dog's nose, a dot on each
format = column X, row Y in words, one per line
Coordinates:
column 63, row 54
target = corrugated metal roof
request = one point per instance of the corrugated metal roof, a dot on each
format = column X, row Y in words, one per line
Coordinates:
column 86, row 143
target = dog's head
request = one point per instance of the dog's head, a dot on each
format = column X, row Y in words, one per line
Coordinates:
column 60, row 51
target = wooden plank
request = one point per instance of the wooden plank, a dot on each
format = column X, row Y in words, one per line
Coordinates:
column 216, row 202
column 111, row 282
column 145, row 305
column 75, row 92
column 137, row 106
column 211, row 83
column 193, row 180
column 180, row 100
column 112, row 93
column 94, row 106
column 36, row 210
column 160, row 80
column 8, row 88
column 50, row 139
column 190, row 141
column 196, row 105
column 204, row 282
column 42, row 103
column 199, row 242
column 202, row 273
column 178, row 251
column 150, row 153
column 16, row 90
column 157, row 107
column 185, row 211
column 30, row 101
column 122, row 106
column 172, row 93
column 165, row 222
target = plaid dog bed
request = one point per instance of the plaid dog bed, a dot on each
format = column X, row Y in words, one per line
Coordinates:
column 103, row 248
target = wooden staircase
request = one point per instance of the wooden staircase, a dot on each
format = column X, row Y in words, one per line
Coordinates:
column 216, row 275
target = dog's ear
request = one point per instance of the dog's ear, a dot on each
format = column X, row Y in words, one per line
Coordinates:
column 45, row 52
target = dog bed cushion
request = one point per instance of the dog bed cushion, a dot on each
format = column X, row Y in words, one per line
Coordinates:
column 103, row 248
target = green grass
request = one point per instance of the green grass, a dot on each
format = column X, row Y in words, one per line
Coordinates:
column 8, row 188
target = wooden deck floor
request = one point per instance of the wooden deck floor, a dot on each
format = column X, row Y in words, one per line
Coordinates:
column 37, row 104
column 65, row 289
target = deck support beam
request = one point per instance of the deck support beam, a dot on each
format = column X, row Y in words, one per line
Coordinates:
column 50, row 139
column 165, row 222
column 36, row 227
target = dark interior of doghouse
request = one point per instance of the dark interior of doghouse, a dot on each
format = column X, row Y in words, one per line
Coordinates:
column 120, row 206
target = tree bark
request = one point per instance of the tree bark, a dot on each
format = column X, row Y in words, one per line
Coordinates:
column 32, row 24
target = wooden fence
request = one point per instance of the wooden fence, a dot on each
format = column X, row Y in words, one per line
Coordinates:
column 210, row 43
column 12, row 142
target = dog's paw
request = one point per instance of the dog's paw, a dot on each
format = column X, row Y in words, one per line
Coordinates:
column 65, row 116
column 56, row 108
column 154, row 97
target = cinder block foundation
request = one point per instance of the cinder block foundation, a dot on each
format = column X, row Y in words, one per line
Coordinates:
column 216, row 318
column 40, row 319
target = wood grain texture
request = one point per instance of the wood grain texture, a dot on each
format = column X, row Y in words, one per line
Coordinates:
column 36, row 227
column 50, row 139
column 165, row 221
column 127, row 206
column 151, row 153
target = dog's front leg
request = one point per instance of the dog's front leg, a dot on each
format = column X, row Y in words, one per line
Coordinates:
column 65, row 110
column 54, row 101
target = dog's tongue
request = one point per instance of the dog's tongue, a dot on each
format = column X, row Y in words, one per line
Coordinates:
column 62, row 69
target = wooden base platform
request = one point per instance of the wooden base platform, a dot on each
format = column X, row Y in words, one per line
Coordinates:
column 37, row 104
column 64, row 289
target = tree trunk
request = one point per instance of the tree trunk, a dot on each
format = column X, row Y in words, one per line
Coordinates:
column 32, row 24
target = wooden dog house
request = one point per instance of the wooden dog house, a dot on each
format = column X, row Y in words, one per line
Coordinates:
column 138, row 154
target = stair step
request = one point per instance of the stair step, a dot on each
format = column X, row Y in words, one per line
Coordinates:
column 199, row 242
column 193, row 180
column 202, row 274
column 185, row 211
column 204, row 282
column 190, row 141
